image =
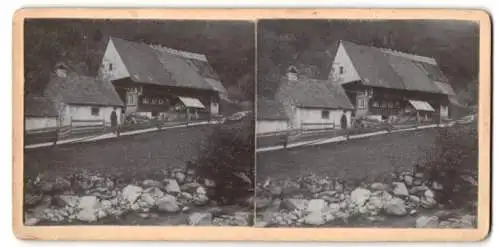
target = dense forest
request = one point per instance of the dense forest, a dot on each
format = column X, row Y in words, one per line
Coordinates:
column 229, row 47
column 311, row 46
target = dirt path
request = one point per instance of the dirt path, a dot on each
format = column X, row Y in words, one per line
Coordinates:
column 354, row 159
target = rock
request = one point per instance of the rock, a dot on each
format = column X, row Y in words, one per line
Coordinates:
column 315, row 219
column 200, row 219
column 334, row 207
column 418, row 189
column 107, row 204
column 262, row 202
column 180, row 177
column 155, row 192
column 419, row 175
column 87, row 215
column 168, row 204
column 375, row 218
column 400, row 189
column 172, row 186
column 408, row 179
column 72, row 201
column 436, row 186
column 359, row 196
column 200, row 199
column 445, row 224
column 88, row 202
column 414, row 199
column 428, row 202
column 396, row 206
column 32, row 221
column 316, row 205
column 131, row 193
column 201, row 191
column 417, row 182
column 293, row 204
column 380, row 187
column 149, row 183
column 276, row 191
column 209, row 183
column 185, row 209
column 413, row 212
column 429, row 194
column 147, row 200
column 190, row 187
column 427, row 222
column 339, row 186
column 186, row 195
column 32, row 199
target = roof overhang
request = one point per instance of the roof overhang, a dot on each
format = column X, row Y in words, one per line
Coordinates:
column 421, row 105
column 191, row 102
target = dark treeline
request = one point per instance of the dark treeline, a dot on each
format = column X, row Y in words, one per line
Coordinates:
column 229, row 47
column 311, row 46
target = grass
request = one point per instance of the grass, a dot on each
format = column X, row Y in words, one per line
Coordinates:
column 358, row 159
column 137, row 156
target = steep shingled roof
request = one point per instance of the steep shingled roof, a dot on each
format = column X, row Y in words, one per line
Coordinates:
column 306, row 92
column 82, row 90
column 38, row 106
column 160, row 65
column 270, row 110
column 393, row 69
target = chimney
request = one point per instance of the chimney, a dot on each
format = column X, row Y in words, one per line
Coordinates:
column 292, row 73
column 61, row 70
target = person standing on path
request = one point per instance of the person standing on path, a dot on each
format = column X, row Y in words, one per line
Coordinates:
column 114, row 122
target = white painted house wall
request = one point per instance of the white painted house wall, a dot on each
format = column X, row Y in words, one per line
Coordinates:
column 118, row 69
column 444, row 111
column 269, row 126
column 35, row 123
column 78, row 112
column 308, row 115
column 342, row 59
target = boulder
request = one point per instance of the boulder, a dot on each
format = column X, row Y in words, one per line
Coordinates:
column 428, row 202
column 61, row 184
column 88, row 202
column 400, row 189
column 201, row 191
column 149, row 183
column 427, row 222
column 172, row 186
column 316, row 205
column 200, row 219
column 418, row 189
column 334, row 207
column 190, row 187
column 87, row 215
column 408, row 179
column 131, row 193
column 147, row 200
column 47, row 187
column 32, row 221
column 186, row 196
column 380, row 187
column 209, row 183
column 429, row 194
column 359, row 196
column 180, row 177
column 315, row 219
column 396, row 206
column 168, row 204
column 294, row 204
column 415, row 199
column 200, row 199
column 155, row 192
column 436, row 186
column 69, row 200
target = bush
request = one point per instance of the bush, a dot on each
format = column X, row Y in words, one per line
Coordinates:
column 453, row 163
column 228, row 159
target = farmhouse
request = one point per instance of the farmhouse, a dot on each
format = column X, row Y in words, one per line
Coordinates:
column 81, row 98
column 314, row 104
column 157, row 81
column 383, row 83
column 39, row 113
column 271, row 117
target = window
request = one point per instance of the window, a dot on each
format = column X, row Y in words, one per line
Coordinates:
column 154, row 101
column 375, row 104
column 361, row 103
column 131, row 99
column 341, row 70
column 110, row 65
column 94, row 111
column 325, row 114
column 160, row 101
column 145, row 100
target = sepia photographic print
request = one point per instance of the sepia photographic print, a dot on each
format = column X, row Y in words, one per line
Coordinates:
column 138, row 122
column 251, row 124
column 367, row 123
